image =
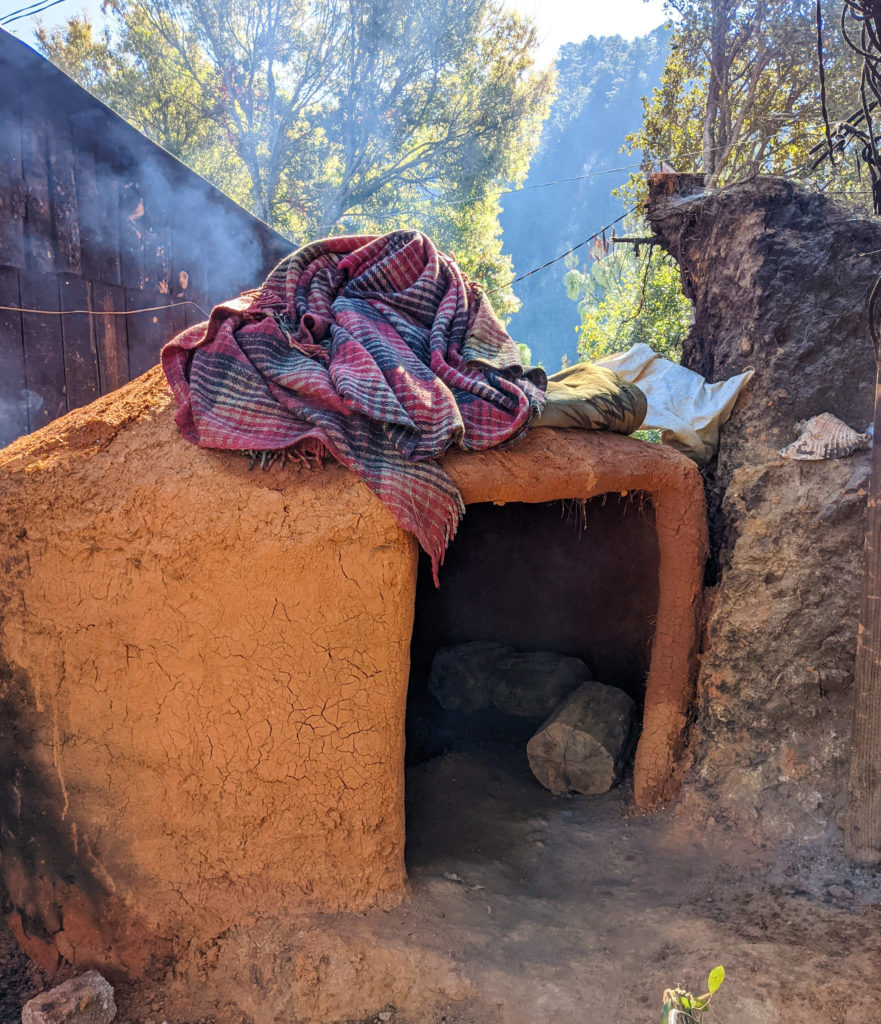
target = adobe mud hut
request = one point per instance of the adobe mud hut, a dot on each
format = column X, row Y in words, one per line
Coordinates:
column 206, row 670
column 204, row 718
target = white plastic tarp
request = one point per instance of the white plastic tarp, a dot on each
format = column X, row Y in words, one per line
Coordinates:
column 681, row 404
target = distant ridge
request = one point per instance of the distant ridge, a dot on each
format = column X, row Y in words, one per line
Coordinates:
column 600, row 86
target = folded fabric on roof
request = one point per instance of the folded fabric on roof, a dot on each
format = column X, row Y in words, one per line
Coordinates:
column 590, row 397
column 375, row 350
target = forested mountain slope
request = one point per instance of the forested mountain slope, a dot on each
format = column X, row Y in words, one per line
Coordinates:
column 600, row 84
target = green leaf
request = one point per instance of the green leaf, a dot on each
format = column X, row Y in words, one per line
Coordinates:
column 717, row 976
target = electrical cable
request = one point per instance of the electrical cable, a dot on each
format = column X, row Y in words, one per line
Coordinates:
column 822, row 65
column 29, row 12
column 597, row 234
column 21, row 11
column 862, row 14
column 101, row 312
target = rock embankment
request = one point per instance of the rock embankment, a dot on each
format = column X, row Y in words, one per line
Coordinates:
column 779, row 283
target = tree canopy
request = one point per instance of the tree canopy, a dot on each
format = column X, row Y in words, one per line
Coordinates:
column 331, row 116
column 625, row 298
column 740, row 93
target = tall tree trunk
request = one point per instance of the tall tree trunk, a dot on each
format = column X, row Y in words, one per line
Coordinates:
column 713, row 145
column 862, row 833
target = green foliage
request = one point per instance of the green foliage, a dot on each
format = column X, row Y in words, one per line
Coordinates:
column 624, row 298
column 740, row 95
column 332, row 116
column 681, row 1007
column 600, row 82
column 139, row 78
column 598, row 78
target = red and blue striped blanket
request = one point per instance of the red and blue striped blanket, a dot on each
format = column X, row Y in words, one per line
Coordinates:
column 374, row 350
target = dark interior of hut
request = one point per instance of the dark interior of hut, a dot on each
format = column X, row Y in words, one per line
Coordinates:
column 574, row 577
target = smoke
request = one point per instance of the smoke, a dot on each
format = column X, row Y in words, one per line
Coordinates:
column 196, row 242
column 15, row 414
column 118, row 223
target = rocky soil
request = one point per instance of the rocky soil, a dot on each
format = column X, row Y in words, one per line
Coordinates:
column 20, row 979
column 779, row 281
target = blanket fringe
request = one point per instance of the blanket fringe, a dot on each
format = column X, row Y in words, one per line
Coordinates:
column 437, row 551
column 310, row 454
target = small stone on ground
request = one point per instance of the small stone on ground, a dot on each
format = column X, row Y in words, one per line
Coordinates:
column 87, row 999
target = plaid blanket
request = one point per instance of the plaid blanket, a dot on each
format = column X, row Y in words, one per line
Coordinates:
column 375, row 350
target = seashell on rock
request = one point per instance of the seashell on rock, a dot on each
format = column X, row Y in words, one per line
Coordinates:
column 825, row 437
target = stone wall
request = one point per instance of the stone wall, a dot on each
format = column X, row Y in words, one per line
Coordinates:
column 779, row 282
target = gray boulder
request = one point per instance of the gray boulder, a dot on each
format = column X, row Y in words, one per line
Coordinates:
column 474, row 676
column 584, row 745
column 87, row 999
column 462, row 677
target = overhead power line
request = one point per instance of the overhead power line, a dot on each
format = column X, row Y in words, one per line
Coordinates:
column 29, row 12
column 101, row 312
column 597, row 234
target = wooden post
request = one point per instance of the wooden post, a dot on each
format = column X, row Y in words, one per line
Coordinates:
column 862, row 832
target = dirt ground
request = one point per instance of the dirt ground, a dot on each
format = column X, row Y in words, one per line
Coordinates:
column 19, row 978
column 531, row 908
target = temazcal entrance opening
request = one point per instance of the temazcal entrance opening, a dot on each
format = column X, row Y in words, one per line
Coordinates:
column 535, row 599
column 574, row 561
column 585, row 545
column 577, row 577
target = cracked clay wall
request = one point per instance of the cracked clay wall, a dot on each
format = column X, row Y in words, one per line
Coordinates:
column 203, row 672
column 200, row 709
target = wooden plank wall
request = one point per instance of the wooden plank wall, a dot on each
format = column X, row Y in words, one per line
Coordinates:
column 95, row 217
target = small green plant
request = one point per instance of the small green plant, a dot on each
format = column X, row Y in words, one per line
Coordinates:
column 681, row 1007
column 651, row 434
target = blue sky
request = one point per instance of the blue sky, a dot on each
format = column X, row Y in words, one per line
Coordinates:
column 559, row 21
